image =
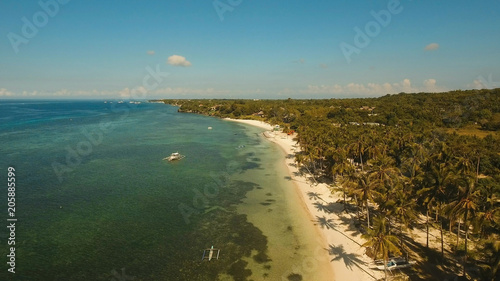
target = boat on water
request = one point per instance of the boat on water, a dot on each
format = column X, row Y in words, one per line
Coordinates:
column 211, row 252
column 174, row 156
column 394, row 263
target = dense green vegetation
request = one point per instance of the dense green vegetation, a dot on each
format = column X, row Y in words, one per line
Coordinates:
column 451, row 109
column 395, row 160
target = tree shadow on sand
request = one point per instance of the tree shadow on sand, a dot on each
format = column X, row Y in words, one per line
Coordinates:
column 324, row 222
column 329, row 224
column 349, row 259
column 321, row 207
column 352, row 225
column 314, row 196
column 327, row 208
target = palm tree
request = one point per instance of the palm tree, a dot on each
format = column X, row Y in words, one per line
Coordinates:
column 492, row 266
column 365, row 190
column 465, row 205
column 379, row 242
column 439, row 177
column 358, row 148
column 404, row 210
column 383, row 171
column 415, row 154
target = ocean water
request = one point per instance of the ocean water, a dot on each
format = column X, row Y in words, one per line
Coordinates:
column 95, row 200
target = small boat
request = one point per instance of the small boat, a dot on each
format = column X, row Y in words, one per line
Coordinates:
column 394, row 263
column 211, row 253
column 210, row 128
column 174, row 156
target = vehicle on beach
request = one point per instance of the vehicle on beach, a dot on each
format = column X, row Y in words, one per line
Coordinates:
column 174, row 156
column 394, row 263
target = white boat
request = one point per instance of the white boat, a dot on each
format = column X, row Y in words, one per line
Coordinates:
column 211, row 253
column 174, row 156
column 394, row 263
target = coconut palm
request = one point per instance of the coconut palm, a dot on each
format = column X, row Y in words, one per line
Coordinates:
column 379, row 242
column 358, row 148
column 465, row 206
column 492, row 266
column 383, row 172
column 366, row 192
column 439, row 177
column 404, row 210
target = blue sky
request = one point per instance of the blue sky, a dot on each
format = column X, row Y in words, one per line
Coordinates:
column 246, row 48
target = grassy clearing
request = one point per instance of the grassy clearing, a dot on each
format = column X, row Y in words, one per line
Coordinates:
column 473, row 130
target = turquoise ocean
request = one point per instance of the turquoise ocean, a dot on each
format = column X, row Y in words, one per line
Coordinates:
column 96, row 201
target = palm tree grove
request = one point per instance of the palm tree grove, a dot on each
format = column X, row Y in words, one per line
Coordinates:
column 407, row 163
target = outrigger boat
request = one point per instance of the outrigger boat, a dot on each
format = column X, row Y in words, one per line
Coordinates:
column 211, row 253
column 394, row 263
column 174, row 156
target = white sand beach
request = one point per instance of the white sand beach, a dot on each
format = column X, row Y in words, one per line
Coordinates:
column 346, row 255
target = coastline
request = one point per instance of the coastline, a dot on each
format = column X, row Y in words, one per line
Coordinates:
column 342, row 243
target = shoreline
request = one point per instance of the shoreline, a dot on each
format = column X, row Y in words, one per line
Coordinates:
column 334, row 227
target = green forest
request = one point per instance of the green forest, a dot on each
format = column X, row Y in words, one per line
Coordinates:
column 397, row 160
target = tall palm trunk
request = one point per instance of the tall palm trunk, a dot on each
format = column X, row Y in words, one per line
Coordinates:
column 401, row 240
column 367, row 214
column 427, row 226
column 345, row 202
column 466, row 238
column 361, row 160
column 477, row 169
column 385, row 269
column 442, row 242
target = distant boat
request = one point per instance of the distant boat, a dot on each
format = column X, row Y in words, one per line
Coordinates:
column 174, row 156
column 211, row 253
column 394, row 263
column 210, row 128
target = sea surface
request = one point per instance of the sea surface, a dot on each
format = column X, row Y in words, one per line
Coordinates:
column 96, row 201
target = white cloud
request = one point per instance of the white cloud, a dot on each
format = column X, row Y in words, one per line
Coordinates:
column 5, row 93
column 135, row 93
column 189, row 91
column 176, row 60
column 432, row 47
column 62, row 93
column 150, row 52
column 372, row 89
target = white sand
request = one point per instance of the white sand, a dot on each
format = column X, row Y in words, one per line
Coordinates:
column 347, row 257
